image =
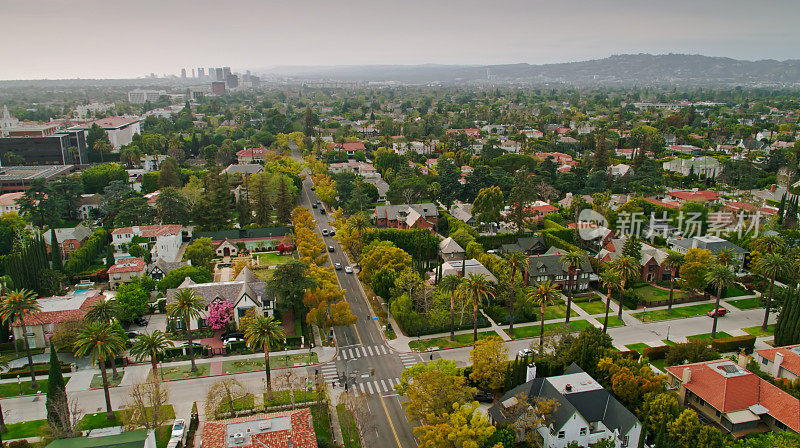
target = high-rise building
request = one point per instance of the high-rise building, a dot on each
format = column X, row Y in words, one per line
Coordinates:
column 201, row 72
column 139, row 96
column 218, row 87
column 183, row 73
column 226, row 71
column 194, row 75
column 232, row 81
column 219, row 75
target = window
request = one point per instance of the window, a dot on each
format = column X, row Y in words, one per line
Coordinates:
column 764, row 361
column 560, row 434
column 583, row 431
column 625, row 441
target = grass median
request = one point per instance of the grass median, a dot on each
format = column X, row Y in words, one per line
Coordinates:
column 445, row 342
column 530, row 331
column 12, row 389
column 758, row 332
column 678, row 312
column 252, row 364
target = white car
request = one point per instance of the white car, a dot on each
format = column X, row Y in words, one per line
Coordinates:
column 348, row 269
column 178, row 428
column 524, row 352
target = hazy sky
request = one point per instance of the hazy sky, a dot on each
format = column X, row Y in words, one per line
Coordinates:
column 114, row 39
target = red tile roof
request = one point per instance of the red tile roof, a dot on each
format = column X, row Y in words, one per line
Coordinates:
column 662, row 204
column 127, row 265
column 301, row 434
column 695, row 196
column 151, row 231
column 738, row 392
column 352, row 146
column 472, row 132
column 791, row 360
column 252, row 152
column 60, row 316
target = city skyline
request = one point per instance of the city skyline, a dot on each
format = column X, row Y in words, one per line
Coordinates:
column 164, row 37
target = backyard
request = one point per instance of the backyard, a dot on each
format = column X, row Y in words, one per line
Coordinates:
column 273, row 259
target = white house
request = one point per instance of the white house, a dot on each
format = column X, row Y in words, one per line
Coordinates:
column 120, row 130
column 164, row 241
column 8, row 202
column 780, row 362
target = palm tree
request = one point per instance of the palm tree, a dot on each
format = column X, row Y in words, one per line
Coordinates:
column 517, row 261
column 259, row 333
column 766, row 244
column 721, row 277
column 102, row 342
column 104, row 311
column 573, row 260
column 724, row 256
column 150, row 345
column 185, row 307
column 610, row 279
column 674, row 261
column 17, row 305
column 770, row 265
column 542, row 294
column 451, row 284
column 476, row 289
column 627, row 268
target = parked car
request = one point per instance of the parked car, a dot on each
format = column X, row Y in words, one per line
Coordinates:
column 231, row 334
column 313, row 205
column 348, row 269
column 186, row 344
column 324, row 232
column 132, row 334
column 719, row 312
column 321, row 211
column 333, row 232
column 178, row 427
column 330, row 249
column 140, row 321
column 338, row 266
column 232, row 339
column 524, row 352
column 484, row 397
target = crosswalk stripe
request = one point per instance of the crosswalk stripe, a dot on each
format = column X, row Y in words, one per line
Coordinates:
column 363, row 349
column 355, row 391
column 369, row 386
column 369, row 349
column 353, row 355
column 385, row 389
column 383, row 348
column 361, row 386
column 344, row 354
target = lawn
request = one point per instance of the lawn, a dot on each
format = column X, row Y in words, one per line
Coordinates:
column 558, row 311
column 707, row 336
column 736, row 291
column 530, row 331
column 677, row 312
column 650, row 293
column 661, row 364
column 12, row 389
column 758, row 332
column 98, row 420
column 668, row 342
column 593, row 307
column 184, row 371
column 349, row 429
column 97, row 380
column 282, row 397
column 613, row 321
column 272, row 259
column 747, row 304
column 322, row 423
column 33, row 428
column 444, row 342
column 638, row 347
column 249, row 365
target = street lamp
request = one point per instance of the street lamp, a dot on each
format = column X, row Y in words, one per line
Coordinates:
column 19, row 384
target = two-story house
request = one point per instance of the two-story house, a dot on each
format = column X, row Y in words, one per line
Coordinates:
column 533, row 245
column 549, row 266
column 420, row 216
column 124, row 270
column 780, row 362
column 653, row 267
column 449, row 250
column 164, row 241
column 69, row 239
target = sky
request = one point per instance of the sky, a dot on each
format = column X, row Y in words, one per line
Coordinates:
column 116, row 39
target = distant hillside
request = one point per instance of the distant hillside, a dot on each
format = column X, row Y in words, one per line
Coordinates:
column 619, row 69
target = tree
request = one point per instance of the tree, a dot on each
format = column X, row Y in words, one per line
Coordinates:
column 543, row 294
column 628, row 269
column 200, row 252
column 611, row 279
column 131, row 301
column 695, row 269
column 150, row 345
column 476, row 289
column 214, row 209
column 40, row 205
column 172, row 207
column 168, row 174
column 222, row 397
column 462, row 427
column 12, row 232
column 632, row 247
column 283, row 202
column 450, row 284
column 186, row 306
column 517, row 262
column 674, row 261
column 220, row 313
column 770, row 265
column 56, row 402
column 102, row 342
column 432, row 388
column 489, row 360
column 587, row 350
column 527, row 417
column 449, row 176
column 488, row 204
column 55, row 252
column 147, row 405
column 19, row 305
column 630, row 380
column 721, row 277
column 175, row 277
column 573, row 260
column 383, row 256
column 98, row 177
column 686, row 431
column 260, row 332
column 134, row 211
column 522, row 194
column 289, row 282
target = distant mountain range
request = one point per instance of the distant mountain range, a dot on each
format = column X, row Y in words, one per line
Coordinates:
column 627, row 69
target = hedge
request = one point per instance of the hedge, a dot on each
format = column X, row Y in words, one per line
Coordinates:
column 658, row 352
column 553, row 240
column 630, row 354
column 25, row 371
column 490, row 242
column 548, row 224
column 733, row 343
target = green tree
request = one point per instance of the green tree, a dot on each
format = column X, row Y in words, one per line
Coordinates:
column 284, row 203
column 56, row 400
column 20, row 305
column 543, row 294
column 176, row 276
column 488, row 205
column 98, row 177
column 40, row 205
column 55, row 252
column 134, row 211
column 150, row 345
column 674, row 261
column 572, row 260
column 168, row 174
column 721, row 277
column 260, row 332
column 632, row 248
column 628, row 269
column 476, row 289
column 463, row 427
column 186, row 305
column 449, row 175
column 289, row 282
column 489, row 360
column 770, row 265
column 522, row 194
column 200, row 251
column 215, row 209
column 451, row 284
column 102, row 342
column 611, row 279
column 172, row 207
column 432, row 388
column 517, row 262
column 131, row 301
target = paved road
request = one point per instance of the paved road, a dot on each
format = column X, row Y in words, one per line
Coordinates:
column 364, row 357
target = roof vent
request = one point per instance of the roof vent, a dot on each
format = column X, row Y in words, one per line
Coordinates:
column 568, row 387
column 264, row 425
column 238, row 438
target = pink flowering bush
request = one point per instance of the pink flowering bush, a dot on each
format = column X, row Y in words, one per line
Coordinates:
column 219, row 313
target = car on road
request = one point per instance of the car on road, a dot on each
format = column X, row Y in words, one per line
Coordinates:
column 331, row 249
column 140, row 321
column 322, row 210
column 348, row 269
column 231, row 334
column 325, row 232
column 719, row 312
column 132, row 334
column 178, row 428
column 313, row 205
column 484, row 397
column 232, row 339
column 338, row 266
column 333, row 232
column 524, row 352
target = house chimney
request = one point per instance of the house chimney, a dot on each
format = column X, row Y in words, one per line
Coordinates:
column 743, row 360
column 776, row 367
column 772, row 188
column 687, row 375
column 531, row 372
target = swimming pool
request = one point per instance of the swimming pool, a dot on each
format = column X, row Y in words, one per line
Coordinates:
column 81, row 291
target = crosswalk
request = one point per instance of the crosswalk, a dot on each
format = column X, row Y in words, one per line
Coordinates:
column 360, row 351
column 383, row 387
column 409, row 360
column 329, row 372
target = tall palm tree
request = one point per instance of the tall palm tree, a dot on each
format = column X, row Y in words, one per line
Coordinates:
column 721, row 277
column 476, row 289
column 150, row 345
column 766, row 244
column 770, row 265
column 18, row 304
column 573, row 261
column 259, row 333
column 611, row 280
column 674, row 261
column 627, row 268
column 102, row 342
column 543, row 294
column 450, row 284
column 185, row 307
column 104, row 311
column 724, row 256
column 517, row 261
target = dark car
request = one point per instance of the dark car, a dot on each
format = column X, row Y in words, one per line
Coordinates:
column 484, row 397
column 140, row 321
column 231, row 334
column 313, row 205
column 132, row 334
column 719, row 312
column 330, row 249
column 321, row 211
column 338, row 266
column 333, row 232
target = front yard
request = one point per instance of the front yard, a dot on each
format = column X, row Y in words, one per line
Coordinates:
column 677, row 312
column 758, row 332
column 444, row 342
column 530, row 331
column 747, row 304
column 12, row 389
column 252, row 364
column 650, row 293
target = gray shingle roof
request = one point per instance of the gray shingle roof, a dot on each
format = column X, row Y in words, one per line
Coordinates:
column 553, row 266
column 165, row 266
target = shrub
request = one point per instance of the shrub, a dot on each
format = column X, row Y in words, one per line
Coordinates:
column 658, row 352
column 690, row 352
column 630, row 354
column 734, row 343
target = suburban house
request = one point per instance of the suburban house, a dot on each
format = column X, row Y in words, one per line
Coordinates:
column 780, row 362
column 548, row 266
column 164, row 240
column 532, row 133
column 471, row 133
column 253, row 239
column 244, row 293
column 362, row 169
column 159, row 268
column 536, row 211
column 54, row 311
column 449, row 250
column 708, row 166
column 698, row 196
column 8, row 202
column 463, row 212
column 243, row 169
column 735, row 399
column 511, row 146
column 226, row 249
column 293, row 429
column 463, row 268
column 533, row 245
column 69, row 239
column 381, row 185
column 653, row 260
column 252, row 155
column 421, row 216
column 349, row 148
column 713, row 243
column 141, row 438
column 586, row 413
column 124, row 270
column 685, row 149
column 619, row 170
column 87, row 203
